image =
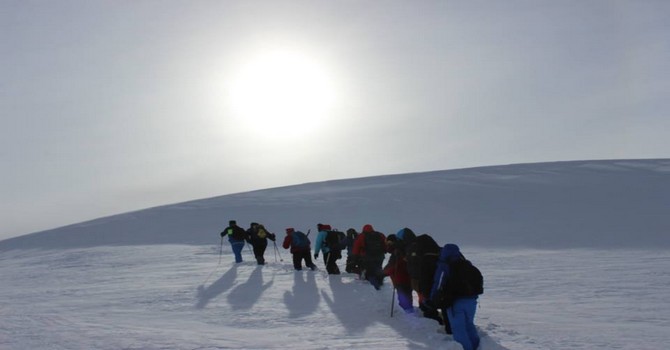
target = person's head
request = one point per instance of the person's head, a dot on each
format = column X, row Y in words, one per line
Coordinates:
column 253, row 225
column 391, row 240
column 352, row 232
column 290, row 230
column 368, row 228
column 232, row 223
column 450, row 252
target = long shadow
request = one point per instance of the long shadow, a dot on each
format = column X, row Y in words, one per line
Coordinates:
column 303, row 299
column 341, row 303
column 221, row 285
column 245, row 295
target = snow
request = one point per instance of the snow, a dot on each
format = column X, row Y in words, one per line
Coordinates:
column 155, row 279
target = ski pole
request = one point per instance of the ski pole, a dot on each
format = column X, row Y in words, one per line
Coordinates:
column 217, row 265
column 220, row 251
column 392, row 301
column 277, row 251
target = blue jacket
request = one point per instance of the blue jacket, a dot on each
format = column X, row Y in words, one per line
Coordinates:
column 450, row 252
column 318, row 244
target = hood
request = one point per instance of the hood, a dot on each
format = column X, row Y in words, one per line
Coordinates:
column 450, row 252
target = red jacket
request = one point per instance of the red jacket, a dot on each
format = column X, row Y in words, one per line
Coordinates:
column 396, row 268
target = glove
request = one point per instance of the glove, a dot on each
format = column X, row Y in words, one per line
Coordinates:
column 316, row 256
column 273, row 237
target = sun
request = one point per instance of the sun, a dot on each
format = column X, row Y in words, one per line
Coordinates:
column 281, row 92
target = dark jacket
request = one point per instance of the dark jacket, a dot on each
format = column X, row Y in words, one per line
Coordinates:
column 235, row 234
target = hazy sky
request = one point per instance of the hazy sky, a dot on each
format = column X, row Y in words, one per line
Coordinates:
column 112, row 106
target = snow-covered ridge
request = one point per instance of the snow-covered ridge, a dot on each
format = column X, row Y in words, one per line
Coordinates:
column 605, row 203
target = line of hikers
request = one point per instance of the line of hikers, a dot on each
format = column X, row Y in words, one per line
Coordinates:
column 442, row 277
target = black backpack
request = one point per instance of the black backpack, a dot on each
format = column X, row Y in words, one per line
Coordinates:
column 374, row 245
column 335, row 240
column 422, row 255
column 465, row 280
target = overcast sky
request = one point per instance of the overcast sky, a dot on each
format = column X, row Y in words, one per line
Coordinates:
column 112, row 106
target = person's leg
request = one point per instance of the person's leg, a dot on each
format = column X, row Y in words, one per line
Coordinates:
column 297, row 261
column 470, row 310
column 457, row 315
column 405, row 297
column 237, row 250
column 260, row 253
column 308, row 259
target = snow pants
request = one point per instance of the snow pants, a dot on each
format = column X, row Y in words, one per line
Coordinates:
column 373, row 271
column 259, row 252
column 461, row 316
column 330, row 260
column 237, row 250
column 405, row 297
column 298, row 257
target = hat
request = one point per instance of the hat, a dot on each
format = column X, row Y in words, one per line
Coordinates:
column 290, row 230
column 368, row 228
column 232, row 222
column 391, row 238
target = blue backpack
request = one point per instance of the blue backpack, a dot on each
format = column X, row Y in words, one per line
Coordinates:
column 299, row 240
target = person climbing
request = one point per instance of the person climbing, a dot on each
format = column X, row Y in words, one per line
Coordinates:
column 457, row 284
column 352, row 262
column 396, row 268
column 370, row 248
column 422, row 254
column 299, row 244
column 258, row 237
column 236, row 237
column 330, row 242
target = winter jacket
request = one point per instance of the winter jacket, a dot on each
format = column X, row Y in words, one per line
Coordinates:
column 254, row 240
column 318, row 244
column 448, row 254
column 234, row 230
column 396, row 268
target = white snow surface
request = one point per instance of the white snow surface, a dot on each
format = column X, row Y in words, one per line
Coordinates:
column 575, row 255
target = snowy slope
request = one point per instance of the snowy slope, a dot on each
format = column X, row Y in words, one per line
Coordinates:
column 546, row 205
column 152, row 279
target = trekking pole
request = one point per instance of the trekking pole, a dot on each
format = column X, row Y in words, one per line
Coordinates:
column 392, row 301
column 220, row 252
column 275, row 255
column 217, row 265
column 277, row 251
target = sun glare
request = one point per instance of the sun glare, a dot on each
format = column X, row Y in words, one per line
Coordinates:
column 281, row 92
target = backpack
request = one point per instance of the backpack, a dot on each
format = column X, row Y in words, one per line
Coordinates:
column 261, row 233
column 422, row 255
column 334, row 240
column 465, row 280
column 374, row 245
column 299, row 240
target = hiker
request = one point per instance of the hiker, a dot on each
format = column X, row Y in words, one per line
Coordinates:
column 258, row 237
column 330, row 242
column 352, row 262
column 370, row 247
column 396, row 268
column 299, row 244
column 456, row 287
column 236, row 237
column 422, row 254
